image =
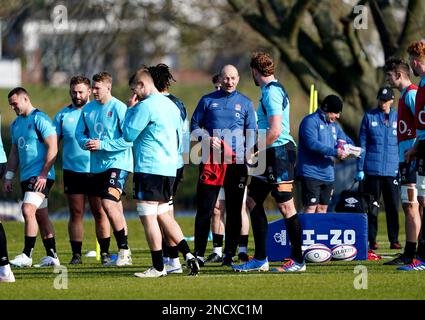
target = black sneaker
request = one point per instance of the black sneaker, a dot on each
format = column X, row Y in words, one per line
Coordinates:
column 214, row 258
column 243, row 257
column 400, row 260
column 105, row 260
column 193, row 266
column 201, row 262
column 227, row 262
column 76, row 259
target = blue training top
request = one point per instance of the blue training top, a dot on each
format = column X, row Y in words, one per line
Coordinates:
column 379, row 140
column 105, row 122
column 274, row 101
column 155, row 125
column 28, row 134
column 317, row 142
column 3, row 158
column 74, row 158
column 227, row 113
column 184, row 143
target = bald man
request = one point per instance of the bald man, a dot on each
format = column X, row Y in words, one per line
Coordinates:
column 224, row 119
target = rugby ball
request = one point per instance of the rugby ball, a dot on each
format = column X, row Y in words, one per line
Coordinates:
column 317, row 253
column 345, row 252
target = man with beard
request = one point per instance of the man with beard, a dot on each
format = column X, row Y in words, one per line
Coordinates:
column 99, row 130
column 78, row 181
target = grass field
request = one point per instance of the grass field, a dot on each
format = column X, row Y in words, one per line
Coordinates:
column 331, row 281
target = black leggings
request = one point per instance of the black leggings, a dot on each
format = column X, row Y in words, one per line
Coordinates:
column 206, row 197
column 377, row 185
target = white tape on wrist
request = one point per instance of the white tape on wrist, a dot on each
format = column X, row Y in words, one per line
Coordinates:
column 9, row 175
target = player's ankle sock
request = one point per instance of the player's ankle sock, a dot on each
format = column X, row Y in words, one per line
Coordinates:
column 104, row 244
column 121, row 239
column 76, row 247
column 29, row 245
column 50, row 246
column 218, row 250
column 157, row 260
column 217, row 240
column 173, row 252
column 183, row 247
column 243, row 250
column 4, row 260
column 421, row 250
column 165, row 249
column 243, row 240
column 409, row 249
column 293, row 226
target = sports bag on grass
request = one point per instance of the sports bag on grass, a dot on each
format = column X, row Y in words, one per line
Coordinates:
column 353, row 201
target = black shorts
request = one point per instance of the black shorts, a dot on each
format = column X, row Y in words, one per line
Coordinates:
column 79, row 183
column 111, row 178
column 420, row 158
column 28, row 186
column 316, row 192
column 2, row 169
column 407, row 173
column 179, row 178
column 280, row 163
column 152, row 187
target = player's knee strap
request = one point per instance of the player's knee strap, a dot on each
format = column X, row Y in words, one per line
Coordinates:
column 44, row 204
column 146, row 209
column 112, row 194
column 163, row 208
column 221, row 195
column 409, row 194
column 34, row 199
column 420, row 185
column 283, row 192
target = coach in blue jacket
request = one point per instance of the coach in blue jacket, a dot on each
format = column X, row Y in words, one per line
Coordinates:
column 317, row 149
column 379, row 166
column 219, row 113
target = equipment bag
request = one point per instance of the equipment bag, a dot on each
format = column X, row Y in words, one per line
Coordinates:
column 352, row 201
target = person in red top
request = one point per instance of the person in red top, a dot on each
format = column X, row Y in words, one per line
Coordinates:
column 416, row 51
column 398, row 76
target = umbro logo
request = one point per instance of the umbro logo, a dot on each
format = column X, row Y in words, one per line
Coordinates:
column 351, row 201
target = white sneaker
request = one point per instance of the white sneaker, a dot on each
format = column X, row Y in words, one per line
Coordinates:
column 48, row 261
column 124, row 258
column 151, row 273
column 6, row 274
column 171, row 268
column 21, row 261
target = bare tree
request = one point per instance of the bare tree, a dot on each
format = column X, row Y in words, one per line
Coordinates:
column 325, row 42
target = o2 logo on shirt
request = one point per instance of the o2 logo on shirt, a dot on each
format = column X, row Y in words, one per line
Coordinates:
column 22, row 144
column 99, row 129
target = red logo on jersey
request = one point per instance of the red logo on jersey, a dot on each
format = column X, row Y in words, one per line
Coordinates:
column 110, row 114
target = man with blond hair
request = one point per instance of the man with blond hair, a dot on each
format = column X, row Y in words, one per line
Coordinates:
column 99, row 130
column 273, row 119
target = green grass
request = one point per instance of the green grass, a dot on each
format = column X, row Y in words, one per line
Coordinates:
column 331, row 281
